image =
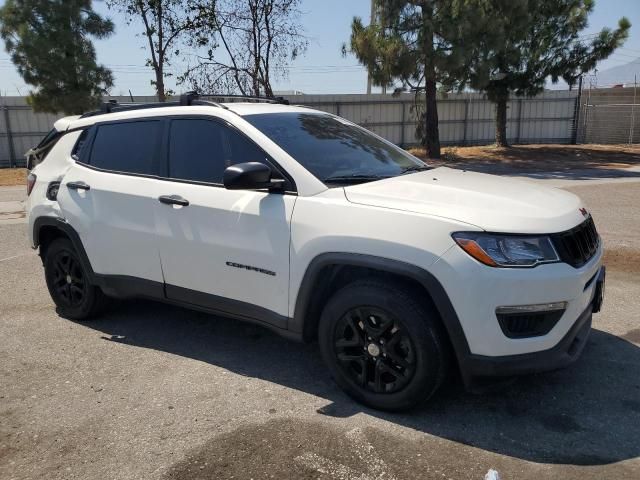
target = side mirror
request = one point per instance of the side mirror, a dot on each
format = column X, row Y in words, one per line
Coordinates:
column 250, row 176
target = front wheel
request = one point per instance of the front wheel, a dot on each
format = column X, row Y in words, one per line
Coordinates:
column 383, row 346
column 68, row 282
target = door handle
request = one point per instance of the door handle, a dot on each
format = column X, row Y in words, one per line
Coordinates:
column 79, row 185
column 173, row 200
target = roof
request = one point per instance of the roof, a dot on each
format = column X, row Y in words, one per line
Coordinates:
column 238, row 108
column 254, row 108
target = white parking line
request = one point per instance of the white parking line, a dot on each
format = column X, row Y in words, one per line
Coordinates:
column 375, row 466
column 15, row 256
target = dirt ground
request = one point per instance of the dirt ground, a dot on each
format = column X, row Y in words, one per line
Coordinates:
column 12, row 176
column 542, row 157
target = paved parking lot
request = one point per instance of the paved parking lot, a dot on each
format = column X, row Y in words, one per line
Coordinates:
column 156, row 392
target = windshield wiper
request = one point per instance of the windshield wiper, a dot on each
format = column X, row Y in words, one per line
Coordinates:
column 415, row 168
column 354, row 178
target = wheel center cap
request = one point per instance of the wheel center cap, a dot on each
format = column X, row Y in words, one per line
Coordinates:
column 373, row 349
column 68, row 278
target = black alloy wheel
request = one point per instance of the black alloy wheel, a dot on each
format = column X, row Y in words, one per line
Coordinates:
column 374, row 350
column 383, row 343
column 69, row 283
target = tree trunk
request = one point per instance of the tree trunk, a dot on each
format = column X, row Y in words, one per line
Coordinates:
column 501, row 119
column 160, row 86
column 432, row 134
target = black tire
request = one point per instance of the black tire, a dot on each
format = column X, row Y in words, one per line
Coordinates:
column 68, row 282
column 383, row 346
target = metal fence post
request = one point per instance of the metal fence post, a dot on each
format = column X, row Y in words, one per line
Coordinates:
column 576, row 114
column 519, row 129
column 633, row 109
column 7, row 123
column 466, row 121
column 402, row 124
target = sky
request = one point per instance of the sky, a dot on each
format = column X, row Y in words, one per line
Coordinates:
column 322, row 69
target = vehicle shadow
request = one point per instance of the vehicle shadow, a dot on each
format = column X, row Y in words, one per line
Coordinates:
column 586, row 414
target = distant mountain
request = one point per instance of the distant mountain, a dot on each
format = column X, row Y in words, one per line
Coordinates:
column 622, row 74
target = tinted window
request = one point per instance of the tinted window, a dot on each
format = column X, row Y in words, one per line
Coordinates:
column 48, row 138
column 77, row 151
column 331, row 148
column 201, row 149
column 126, row 147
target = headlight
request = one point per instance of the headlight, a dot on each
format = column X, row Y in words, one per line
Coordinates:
column 507, row 250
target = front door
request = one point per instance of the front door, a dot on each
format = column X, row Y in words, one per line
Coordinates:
column 227, row 250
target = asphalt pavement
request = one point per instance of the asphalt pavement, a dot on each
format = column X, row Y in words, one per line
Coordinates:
column 151, row 391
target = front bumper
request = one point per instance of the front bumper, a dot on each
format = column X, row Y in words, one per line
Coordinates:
column 477, row 291
column 564, row 353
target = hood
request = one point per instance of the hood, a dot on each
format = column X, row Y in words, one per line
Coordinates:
column 493, row 203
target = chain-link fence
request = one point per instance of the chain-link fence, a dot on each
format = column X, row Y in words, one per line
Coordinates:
column 610, row 115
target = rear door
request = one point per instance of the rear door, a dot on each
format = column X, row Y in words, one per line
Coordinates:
column 109, row 197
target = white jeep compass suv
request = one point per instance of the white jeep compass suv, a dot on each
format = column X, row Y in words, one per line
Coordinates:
column 316, row 228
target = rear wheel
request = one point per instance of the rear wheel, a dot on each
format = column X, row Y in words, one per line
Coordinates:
column 68, row 282
column 383, row 346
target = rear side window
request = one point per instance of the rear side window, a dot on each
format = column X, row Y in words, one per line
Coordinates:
column 200, row 150
column 126, row 147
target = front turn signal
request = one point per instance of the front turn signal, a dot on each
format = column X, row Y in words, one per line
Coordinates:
column 476, row 251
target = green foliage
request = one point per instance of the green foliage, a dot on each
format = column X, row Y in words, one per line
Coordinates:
column 420, row 44
column 49, row 41
column 528, row 41
column 411, row 36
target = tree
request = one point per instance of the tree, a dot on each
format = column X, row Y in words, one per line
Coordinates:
column 421, row 44
column 164, row 23
column 49, row 42
column 257, row 38
column 528, row 42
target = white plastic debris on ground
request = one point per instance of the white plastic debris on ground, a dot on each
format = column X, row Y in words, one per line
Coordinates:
column 492, row 475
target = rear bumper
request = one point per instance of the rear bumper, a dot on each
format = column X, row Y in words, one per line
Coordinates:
column 563, row 354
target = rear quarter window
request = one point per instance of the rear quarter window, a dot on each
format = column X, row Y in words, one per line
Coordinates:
column 128, row 147
column 78, row 152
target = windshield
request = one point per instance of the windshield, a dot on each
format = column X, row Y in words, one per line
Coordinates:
column 333, row 150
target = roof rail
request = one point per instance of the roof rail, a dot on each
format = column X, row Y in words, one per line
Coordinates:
column 112, row 106
column 280, row 100
column 186, row 99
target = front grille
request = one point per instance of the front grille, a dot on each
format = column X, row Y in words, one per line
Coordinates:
column 578, row 245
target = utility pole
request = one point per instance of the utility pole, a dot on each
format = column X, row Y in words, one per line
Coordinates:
column 373, row 19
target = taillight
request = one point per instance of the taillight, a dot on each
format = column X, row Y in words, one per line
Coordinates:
column 31, row 181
